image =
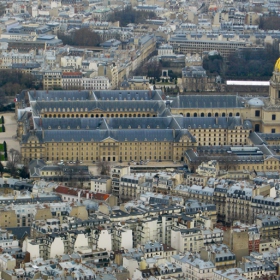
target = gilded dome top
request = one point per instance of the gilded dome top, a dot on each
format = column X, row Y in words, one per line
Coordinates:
column 277, row 65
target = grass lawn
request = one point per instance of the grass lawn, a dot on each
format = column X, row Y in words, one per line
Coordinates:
column 1, row 147
column 2, row 158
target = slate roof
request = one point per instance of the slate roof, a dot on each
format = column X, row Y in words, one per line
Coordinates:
column 136, row 123
column 149, row 135
column 40, row 95
column 207, row 101
column 127, row 95
column 70, row 123
column 206, row 122
column 122, row 107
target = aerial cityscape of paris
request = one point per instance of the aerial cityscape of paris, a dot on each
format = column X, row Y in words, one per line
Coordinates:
column 140, row 139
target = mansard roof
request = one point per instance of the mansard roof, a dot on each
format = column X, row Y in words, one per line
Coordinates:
column 149, row 135
column 128, row 95
column 56, row 95
column 207, row 101
column 213, row 122
column 91, row 105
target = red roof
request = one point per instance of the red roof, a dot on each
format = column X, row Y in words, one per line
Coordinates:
column 71, row 73
column 100, row 196
column 65, row 190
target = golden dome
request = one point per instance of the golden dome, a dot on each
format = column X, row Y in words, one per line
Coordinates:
column 277, row 65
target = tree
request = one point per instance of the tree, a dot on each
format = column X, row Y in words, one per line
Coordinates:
column 14, row 158
column 81, row 37
column 3, row 128
column 2, row 120
column 1, row 168
column 23, row 172
column 130, row 15
column 104, row 167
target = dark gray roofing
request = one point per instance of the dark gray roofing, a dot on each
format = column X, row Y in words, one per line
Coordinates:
column 70, row 123
column 143, row 123
column 34, row 167
column 256, row 138
column 20, row 232
column 122, row 107
column 207, row 101
column 127, row 95
column 49, row 95
column 219, row 122
column 120, row 135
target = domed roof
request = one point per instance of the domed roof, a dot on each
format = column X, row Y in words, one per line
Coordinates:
column 277, row 65
column 256, row 102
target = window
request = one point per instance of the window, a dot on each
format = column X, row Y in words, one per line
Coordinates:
column 272, row 130
column 273, row 117
column 257, row 113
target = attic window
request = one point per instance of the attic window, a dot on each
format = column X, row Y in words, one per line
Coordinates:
column 157, row 126
column 139, row 126
column 148, row 126
column 125, row 139
column 120, row 127
column 68, row 127
column 87, row 127
column 135, row 139
column 155, row 139
column 78, row 127
column 129, row 127
column 49, row 127
column 59, row 127
column 145, row 139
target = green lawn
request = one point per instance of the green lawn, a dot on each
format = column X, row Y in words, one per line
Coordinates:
column 2, row 158
column 1, row 147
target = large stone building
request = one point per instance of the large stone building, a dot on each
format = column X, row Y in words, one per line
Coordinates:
column 141, row 124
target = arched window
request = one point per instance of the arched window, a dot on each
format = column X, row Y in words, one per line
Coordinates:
column 230, row 114
column 188, row 115
column 202, row 114
column 216, row 114
column 237, row 114
column 223, row 114
column 195, row 115
column 209, row 114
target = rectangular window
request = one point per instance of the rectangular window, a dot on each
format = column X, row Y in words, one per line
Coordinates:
column 273, row 117
column 273, row 130
column 257, row 113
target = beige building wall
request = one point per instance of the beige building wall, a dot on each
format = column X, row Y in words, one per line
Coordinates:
column 79, row 212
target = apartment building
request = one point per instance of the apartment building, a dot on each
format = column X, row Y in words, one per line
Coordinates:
column 219, row 255
column 101, row 185
column 194, row 267
column 186, row 239
column 71, row 61
column 96, row 83
column 52, row 79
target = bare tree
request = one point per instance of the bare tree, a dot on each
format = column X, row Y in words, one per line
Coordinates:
column 14, row 159
column 104, row 167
